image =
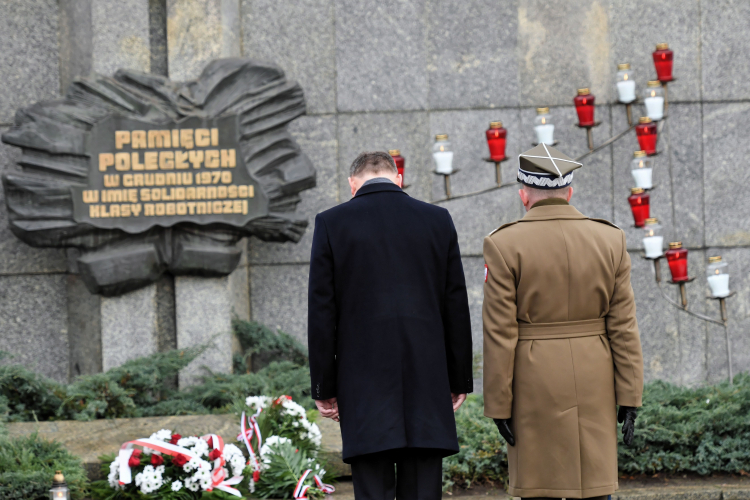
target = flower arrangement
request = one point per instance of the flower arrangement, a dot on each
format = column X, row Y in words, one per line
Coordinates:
column 171, row 467
column 285, row 464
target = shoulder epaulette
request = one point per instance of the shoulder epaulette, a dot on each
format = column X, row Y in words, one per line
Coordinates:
column 605, row 221
column 504, row 226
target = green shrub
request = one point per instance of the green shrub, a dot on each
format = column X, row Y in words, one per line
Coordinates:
column 144, row 387
column 27, row 465
column 700, row 430
column 681, row 430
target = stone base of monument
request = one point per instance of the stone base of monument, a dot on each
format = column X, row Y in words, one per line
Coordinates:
column 90, row 440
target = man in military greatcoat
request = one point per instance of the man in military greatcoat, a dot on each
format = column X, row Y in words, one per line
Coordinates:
column 561, row 344
column 389, row 333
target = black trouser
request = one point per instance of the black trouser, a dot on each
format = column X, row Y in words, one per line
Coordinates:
column 406, row 474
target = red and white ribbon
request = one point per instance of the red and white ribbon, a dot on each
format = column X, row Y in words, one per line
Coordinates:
column 300, row 492
column 218, row 475
column 246, row 435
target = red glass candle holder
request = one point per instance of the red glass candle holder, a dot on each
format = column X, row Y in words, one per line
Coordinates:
column 678, row 263
column 663, row 62
column 640, row 205
column 496, row 141
column 399, row 161
column 646, row 133
column 584, row 102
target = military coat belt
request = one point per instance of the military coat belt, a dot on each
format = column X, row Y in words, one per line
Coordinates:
column 561, row 348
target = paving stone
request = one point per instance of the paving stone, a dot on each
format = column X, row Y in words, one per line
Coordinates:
column 316, row 135
column 16, row 257
column 727, row 181
column 279, row 298
column 471, row 57
column 199, row 31
column 562, row 49
column 408, row 131
column 299, row 38
column 723, row 45
column 380, row 55
column 33, row 322
column 466, row 133
column 120, row 35
column 636, row 28
column 28, row 54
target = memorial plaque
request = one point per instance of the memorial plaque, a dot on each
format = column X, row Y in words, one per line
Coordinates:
column 143, row 175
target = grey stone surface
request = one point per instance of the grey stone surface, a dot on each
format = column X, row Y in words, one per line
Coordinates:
column 660, row 197
column 299, row 38
column 693, row 331
column 204, row 311
column 84, row 328
column 592, row 183
column 727, row 180
column 278, row 296
column 470, row 58
column 474, row 274
column 380, row 55
column 76, row 40
column 316, row 135
column 166, row 329
column 737, row 307
column 120, row 35
column 477, row 216
column 199, row 31
column 561, row 49
column 682, row 131
column 33, row 322
column 723, row 45
column 28, row 54
column 466, row 132
column 157, row 37
column 657, row 323
column 407, row 131
column 129, row 326
column 17, row 256
column 636, row 28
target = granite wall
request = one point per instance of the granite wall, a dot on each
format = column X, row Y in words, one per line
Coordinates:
column 390, row 74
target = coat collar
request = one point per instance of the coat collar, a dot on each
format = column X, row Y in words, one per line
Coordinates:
column 377, row 187
column 552, row 212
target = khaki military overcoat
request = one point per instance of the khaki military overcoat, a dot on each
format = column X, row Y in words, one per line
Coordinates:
column 561, row 348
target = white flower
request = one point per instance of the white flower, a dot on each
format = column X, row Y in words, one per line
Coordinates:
column 191, row 485
column 268, row 448
column 293, row 409
column 258, row 402
column 176, row 485
column 234, row 458
column 150, row 479
column 162, row 435
column 114, row 474
column 194, row 444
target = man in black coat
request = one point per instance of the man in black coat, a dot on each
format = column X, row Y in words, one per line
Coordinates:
column 389, row 332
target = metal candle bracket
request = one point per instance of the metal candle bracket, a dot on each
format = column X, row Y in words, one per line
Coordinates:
column 683, row 306
column 447, row 181
column 498, row 170
column 629, row 110
column 589, row 133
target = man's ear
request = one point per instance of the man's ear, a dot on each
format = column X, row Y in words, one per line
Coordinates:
column 352, row 185
column 524, row 196
column 570, row 194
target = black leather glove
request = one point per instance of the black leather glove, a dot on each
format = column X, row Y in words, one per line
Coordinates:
column 627, row 414
column 503, row 425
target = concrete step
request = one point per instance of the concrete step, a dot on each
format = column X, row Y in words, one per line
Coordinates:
column 90, row 440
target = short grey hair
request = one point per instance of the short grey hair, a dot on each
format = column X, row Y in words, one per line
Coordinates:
column 373, row 161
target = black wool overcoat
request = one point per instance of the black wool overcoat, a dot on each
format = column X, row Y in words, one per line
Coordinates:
column 388, row 321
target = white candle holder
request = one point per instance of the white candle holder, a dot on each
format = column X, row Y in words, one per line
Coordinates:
column 625, row 87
